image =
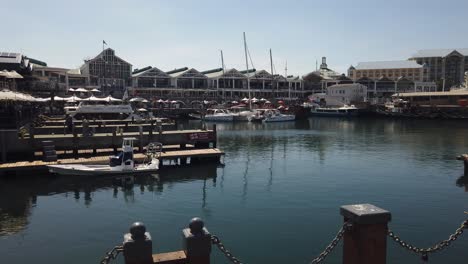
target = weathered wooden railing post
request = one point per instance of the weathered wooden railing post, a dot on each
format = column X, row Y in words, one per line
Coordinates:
column 197, row 242
column 137, row 245
column 366, row 241
column 215, row 136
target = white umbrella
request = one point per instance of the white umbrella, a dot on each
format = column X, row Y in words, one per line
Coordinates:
column 71, row 90
column 73, row 99
column 245, row 99
column 206, row 102
column 267, row 102
column 263, row 99
column 145, row 101
column 111, row 99
column 254, row 100
column 95, row 90
column 58, row 98
column 142, row 110
column 234, row 102
column 81, row 90
column 174, row 102
column 160, row 101
column 10, row 75
column 137, row 99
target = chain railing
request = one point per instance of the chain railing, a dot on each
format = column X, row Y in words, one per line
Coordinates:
column 332, row 245
column 424, row 252
column 111, row 255
column 216, row 241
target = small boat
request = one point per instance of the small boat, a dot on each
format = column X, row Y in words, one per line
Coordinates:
column 118, row 165
column 241, row 113
column 258, row 115
column 346, row 110
column 273, row 115
column 219, row 115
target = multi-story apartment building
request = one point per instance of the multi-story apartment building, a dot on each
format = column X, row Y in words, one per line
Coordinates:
column 446, row 66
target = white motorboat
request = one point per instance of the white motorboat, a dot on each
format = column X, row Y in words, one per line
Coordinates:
column 273, row 115
column 118, row 165
column 346, row 110
column 219, row 115
column 258, row 115
column 241, row 113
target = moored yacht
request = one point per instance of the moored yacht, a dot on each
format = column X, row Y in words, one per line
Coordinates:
column 219, row 115
column 273, row 115
column 346, row 110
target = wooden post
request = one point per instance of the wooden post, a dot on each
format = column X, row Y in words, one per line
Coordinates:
column 464, row 157
column 114, row 135
column 140, row 147
column 215, row 136
column 75, row 144
column 366, row 241
column 197, row 242
column 151, row 130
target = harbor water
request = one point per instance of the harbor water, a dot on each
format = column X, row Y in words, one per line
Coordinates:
column 276, row 200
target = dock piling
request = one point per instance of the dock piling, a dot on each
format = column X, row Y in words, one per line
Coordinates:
column 366, row 241
column 464, row 157
column 197, row 242
column 137, row 245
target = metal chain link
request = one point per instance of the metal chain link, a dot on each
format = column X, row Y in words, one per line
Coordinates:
column 112, row 255
column 332, row 244
column 437, row 247
column 216, row 241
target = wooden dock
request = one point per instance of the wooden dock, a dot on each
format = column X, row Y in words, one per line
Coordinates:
column 195, row 155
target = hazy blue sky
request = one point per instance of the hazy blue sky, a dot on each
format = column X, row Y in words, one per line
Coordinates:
column 177, row 33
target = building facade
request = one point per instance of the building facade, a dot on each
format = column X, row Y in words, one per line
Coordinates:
column 384, row 78
column 446, row 66
column 108, row 72
column 349, row 93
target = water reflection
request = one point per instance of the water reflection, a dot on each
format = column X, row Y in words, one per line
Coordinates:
column 463, row 182
column 18, row 197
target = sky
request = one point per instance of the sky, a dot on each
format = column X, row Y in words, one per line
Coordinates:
column 182, row 33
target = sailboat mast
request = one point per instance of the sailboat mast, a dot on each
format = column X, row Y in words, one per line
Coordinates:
column 247, row 66
column 271, row 67
column 222, row 64
column 286, row 76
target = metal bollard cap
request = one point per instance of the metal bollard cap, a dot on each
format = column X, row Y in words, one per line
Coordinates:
column 196, row 225
column 138, row 230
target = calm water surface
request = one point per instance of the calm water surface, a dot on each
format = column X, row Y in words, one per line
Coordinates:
column 276, row 200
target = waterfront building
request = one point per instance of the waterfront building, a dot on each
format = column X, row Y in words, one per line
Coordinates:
column 446, row 66
column 453, row 98
column 108, row 71
column 188, row 78
column 347, row 93
column 15, row 62
column 384, row 78
column 318, row 80
column 295, row 87
column 228, row 83
column 49, row 81
column 150, row 77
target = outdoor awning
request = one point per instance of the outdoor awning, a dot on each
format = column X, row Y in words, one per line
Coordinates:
column 7, row 95
column 10, row 74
